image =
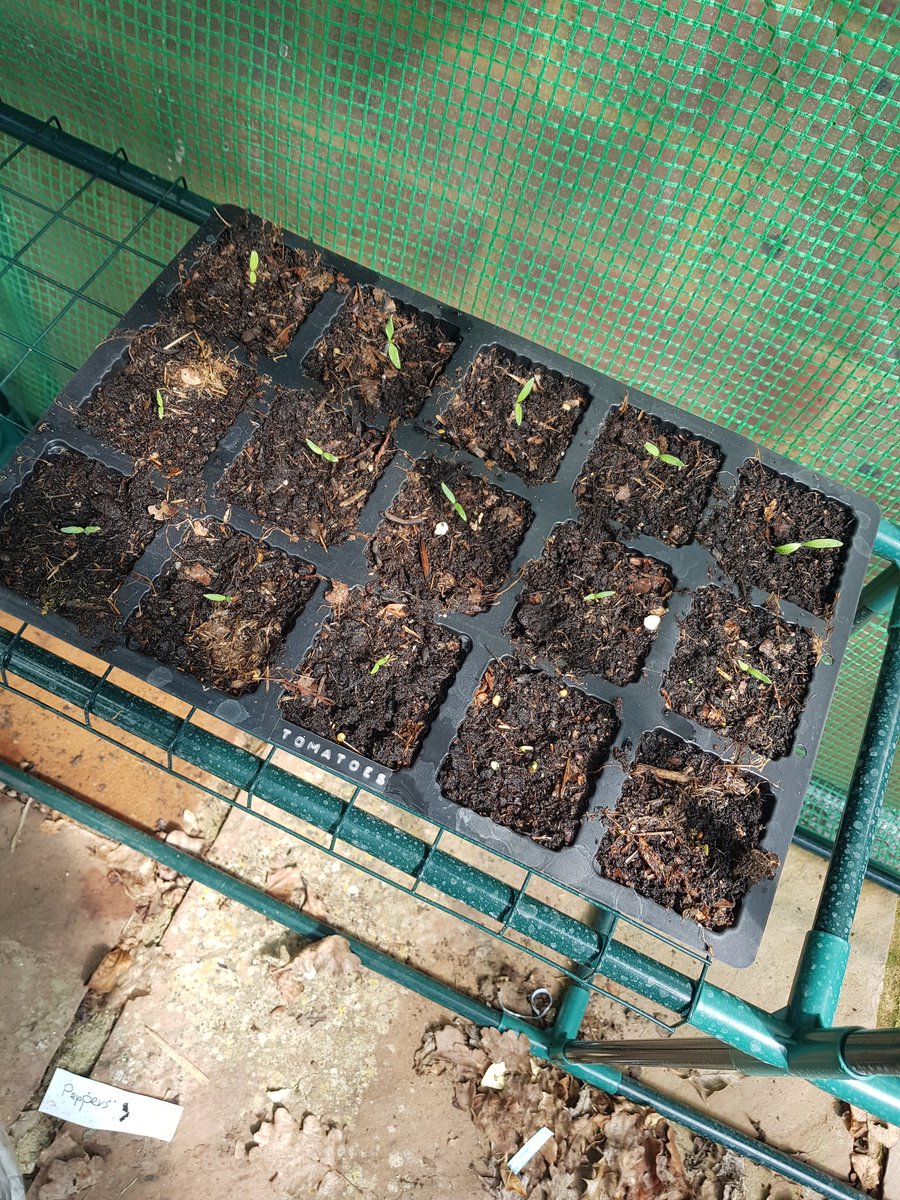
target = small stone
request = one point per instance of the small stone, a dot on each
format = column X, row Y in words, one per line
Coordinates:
column 495, row 766
column 441, row 529
column 651, row 623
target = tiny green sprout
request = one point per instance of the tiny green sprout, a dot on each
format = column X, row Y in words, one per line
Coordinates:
column 393, row 352
column 218, row 598
column 598, row 596
column 760, row 675
column 80, row 529
column 160, row 404
column 814, row 544
column 321, row 453
column 254, row 267
column 654, row 451
column 527, row 389
column 379, row 663
column 457, row 507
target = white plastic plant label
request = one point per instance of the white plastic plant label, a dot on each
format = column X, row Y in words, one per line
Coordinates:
column 100, row 1106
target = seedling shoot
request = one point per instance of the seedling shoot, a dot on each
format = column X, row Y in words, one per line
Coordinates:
column 454, row 503
column 379, row 663
column 254, row 267
column 392, row 351
column 160, row 404
column 527, row 389
column 591, row 596
column 813, row 544
column 332, row 458
column 654, row 451
column 218, row 598
column 80, row 529
column 760, row 675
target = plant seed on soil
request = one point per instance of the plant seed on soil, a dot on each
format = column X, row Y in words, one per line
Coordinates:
column 768, row 510
column 76, row 576
column 216, row 295
column 229, row 644
column 352, row 358
column 686, row 831
column 481, row 415
column 555, row 620
column 286, row 484
column 623, row 483
column 464, row 569
column 527, row 752
column 705, row 683
column 202, row 391
column 374, row 677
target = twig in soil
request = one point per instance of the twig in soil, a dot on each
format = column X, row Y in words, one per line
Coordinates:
column 184, row 1062
column 389, row 516
column 23, row 817
column 662, row 773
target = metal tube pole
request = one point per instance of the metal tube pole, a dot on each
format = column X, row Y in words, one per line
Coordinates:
column 820, row 972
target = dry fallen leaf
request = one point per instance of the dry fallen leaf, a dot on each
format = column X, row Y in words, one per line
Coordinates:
column 162, row 511
column 198, row 573
column 286, row 883
column 302, row 1159
column 112, row 966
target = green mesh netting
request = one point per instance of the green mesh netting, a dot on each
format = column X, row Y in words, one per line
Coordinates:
column 698, row 198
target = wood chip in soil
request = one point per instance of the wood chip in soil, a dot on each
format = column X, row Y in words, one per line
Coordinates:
column 202, row 391
column 76, row 575
column 217, row 298
column 481, row 415
column 710, row 680
column 527, row 753
column 622, row 482
column 229, row 643
column 352, row 359
column 686, row 831
column 375, row 676
column 604, row 635
column 425, row 548
column 769, row 510
column 287, row 484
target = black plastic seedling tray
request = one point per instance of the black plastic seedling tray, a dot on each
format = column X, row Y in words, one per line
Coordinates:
column 639, row 705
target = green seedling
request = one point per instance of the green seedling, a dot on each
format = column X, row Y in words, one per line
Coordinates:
column 321, row 453
column 254, row 267
column 760, row 675
column 393, row 352
column 654, row 451
column 598, row 596
column 160, row 404
column 457, row 507
column 527, row 389
column 379, row 663
column 80, row 529
column 814, row 544
column 218, row 598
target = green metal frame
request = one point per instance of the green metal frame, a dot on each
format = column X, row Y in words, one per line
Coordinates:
column 586, row 951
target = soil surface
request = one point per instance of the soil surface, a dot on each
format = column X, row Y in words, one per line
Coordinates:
column 217, row 297
column 527, row 752
column 706, row 683
column 622, row 482
column 202, row 391
column 685, row 831
column 605, row 636
column 769, row 510
column 481, row 416
column 76, row 575
column 288, row 485
column 352, row 359
column 424, row 548
column 375, row 676
column 227, row 643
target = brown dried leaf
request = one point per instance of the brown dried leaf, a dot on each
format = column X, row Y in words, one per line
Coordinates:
column 162, row 511
column 338, row 594
column 112, row 966
column 304, row 1159
column 286, row 883
column 198, row 573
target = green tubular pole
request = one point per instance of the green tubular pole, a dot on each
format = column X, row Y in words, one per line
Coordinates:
column 543, row 1042
column 820, row 972
column 877, row 596
column 887, row 541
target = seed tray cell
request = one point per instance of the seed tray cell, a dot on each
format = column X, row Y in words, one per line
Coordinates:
column 631, row 702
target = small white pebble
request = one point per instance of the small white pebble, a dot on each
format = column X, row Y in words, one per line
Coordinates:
column 441, row 529
column 495, row 766
column 651, row 623
column 353, row 889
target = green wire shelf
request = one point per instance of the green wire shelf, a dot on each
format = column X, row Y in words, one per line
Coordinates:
column 82, row 233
